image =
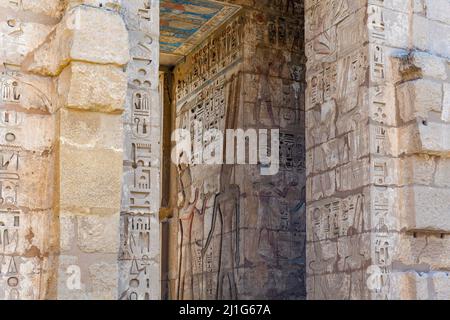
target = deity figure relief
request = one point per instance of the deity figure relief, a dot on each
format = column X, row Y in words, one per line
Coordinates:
column 264, row 97
column 187, row 210
column 225, row 223
column 208, row 254
column 355, row 261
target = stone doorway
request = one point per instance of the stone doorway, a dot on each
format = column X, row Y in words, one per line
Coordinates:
column 230, row 232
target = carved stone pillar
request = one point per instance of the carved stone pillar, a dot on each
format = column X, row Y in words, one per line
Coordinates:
column 86, row 64
column 139, row 258
column 377, row 150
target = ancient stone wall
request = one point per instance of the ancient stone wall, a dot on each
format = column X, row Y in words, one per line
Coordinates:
column 337, row 145
column 237, row 234
column 416, row 153
column 80, row 148
column 27, row 256
column 376, row 149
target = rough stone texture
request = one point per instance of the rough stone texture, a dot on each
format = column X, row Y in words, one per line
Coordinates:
column 91, row 91
column 62, row 92
column 91, row 87
column 402, row 225
column 82, row 36
column 50, row 8
column 27, row 225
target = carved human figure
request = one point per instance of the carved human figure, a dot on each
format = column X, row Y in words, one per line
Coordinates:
column 264, row 93
column 322, row 289
column 187, row 209
column 225, row 224
column 354, row 262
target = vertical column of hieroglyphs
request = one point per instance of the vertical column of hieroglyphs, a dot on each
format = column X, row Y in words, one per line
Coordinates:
column 272, row 222
column 382, row 143
column 26, row 152
column 401, row 229
column 207, row 92
column 337, row 143
column 409, row 61
column 86, row 64
column 140, row 240
column 388, row 25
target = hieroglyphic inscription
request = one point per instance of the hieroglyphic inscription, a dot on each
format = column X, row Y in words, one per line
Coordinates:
column 382, row 205
column 214, row 56
column 16, row 281
column 137, row 256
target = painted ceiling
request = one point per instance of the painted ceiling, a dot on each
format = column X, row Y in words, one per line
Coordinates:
column 185, row 23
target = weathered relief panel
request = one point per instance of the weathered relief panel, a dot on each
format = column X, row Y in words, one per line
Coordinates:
column 337, row 138
column 26, row 155
column 62, row 94
column 26, row 130
column 378, row 138
column 235, row 233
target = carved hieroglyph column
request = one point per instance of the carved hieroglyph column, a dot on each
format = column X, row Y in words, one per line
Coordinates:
column 86, row 63
column 377, row 149
column 140, row 241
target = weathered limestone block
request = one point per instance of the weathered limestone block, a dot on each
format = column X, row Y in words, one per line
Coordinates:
column 94, row 233
column 442, row 176
column 431, row 36
column 425, row 65
column 422, row 251
column 82, row 35
column 417, row 98
column 51, row 8
column 107, row 4
column 18, row 37
column 87, row 97
column 412, row 285
column 418, row 169
column 425, row 208
column 408, row 139
column 97, row 181
column 446, row 103
column 423, row 99
column 83, row 281
column 434, row 137
column 90, row 129
column 438, row 10
column 104, row 279
column 92, row 87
